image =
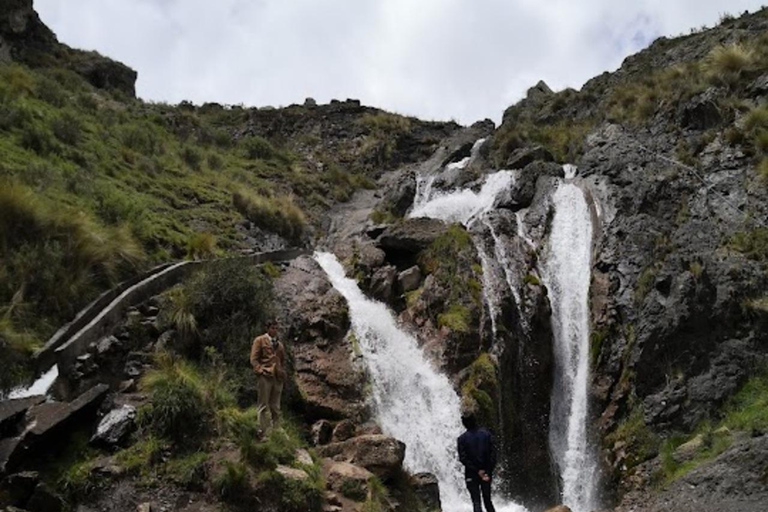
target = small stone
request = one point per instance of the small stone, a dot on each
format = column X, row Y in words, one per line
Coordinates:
column 688, row 450
column 292, row 473
column 303, row 457
column 409, row 279
column 345, row 429
column 144, row 507
column 115, row 426
column 322, row 431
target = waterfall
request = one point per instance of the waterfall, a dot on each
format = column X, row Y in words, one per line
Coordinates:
column 466, row 206
column 40, row 387
column 566, row 273
column 411, row 400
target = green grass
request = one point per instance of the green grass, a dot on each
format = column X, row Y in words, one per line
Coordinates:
column 457, row 318
column 713, row 443
column 278, row 214
column 639, row 441
column 753, row 244
column 748, row 409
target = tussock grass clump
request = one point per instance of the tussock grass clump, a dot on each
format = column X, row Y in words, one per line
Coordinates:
column 726, row 63
column 184, row 399
column 201, row 246
column 255, row 147
column 278, row 214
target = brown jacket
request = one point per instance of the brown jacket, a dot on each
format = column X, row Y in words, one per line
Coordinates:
column 266, row 360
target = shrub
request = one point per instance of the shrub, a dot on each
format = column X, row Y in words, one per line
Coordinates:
column 224, row 308
column 141, row 137
column 727, row 63
column 276, row 214
column 67, row 128
column 178, row 410
column 762, row 169
column 15, row 82
column 640, row 442
column 753, row 244
column 293, row 495
column 279, row 447
column 201, row 246
column 259, row 148
column 38, row 139
column 756, row 120
column 232, row 482
column 215, row 162
column 192, row 156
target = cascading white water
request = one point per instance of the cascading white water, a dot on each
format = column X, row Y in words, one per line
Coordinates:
column 40, row 387
column 425, row 183
column 411, row 400
column 566, row 273
column 465, row 204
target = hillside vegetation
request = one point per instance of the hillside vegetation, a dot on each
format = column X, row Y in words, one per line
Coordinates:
column 97, row 186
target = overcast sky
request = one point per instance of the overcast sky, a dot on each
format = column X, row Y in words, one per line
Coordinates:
column 435, row 59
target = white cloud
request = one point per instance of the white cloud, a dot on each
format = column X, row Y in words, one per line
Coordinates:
column 437, row 59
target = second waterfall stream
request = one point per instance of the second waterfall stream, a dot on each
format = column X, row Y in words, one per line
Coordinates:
column 412, row 401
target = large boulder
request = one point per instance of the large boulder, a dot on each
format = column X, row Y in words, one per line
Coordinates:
column 316, row 320
column 348, row 479
column 12, row 411
column 427, row 489
column 115, row 426
column 380, row 454
column 411, row 236
column 521, row 157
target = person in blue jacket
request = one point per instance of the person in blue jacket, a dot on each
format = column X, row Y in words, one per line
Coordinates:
column 478, row 455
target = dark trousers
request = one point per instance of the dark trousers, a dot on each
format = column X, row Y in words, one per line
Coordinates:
column 476, row 487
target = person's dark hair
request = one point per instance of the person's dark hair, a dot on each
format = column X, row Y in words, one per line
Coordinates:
column 469, row 421
column 271, row 323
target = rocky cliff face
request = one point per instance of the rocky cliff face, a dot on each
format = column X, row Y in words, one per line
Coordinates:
column 26, row 39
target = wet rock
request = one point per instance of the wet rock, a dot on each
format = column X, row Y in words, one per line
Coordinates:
column 398, row 198
column 381, row 455
column 115, row 426
column 322, row 431
column 343, row 431
column 45, row 500
column 382, row 285
column 315, row 319
column 521, row 193
column 409, row 279
column 521, row 157
column 47, row 421
column 16, row 489
column 12, row 411
column 106, row 345
column 411, row 236
column 427, row 489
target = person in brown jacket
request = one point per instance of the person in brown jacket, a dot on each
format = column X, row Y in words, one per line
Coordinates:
column 268, row 361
